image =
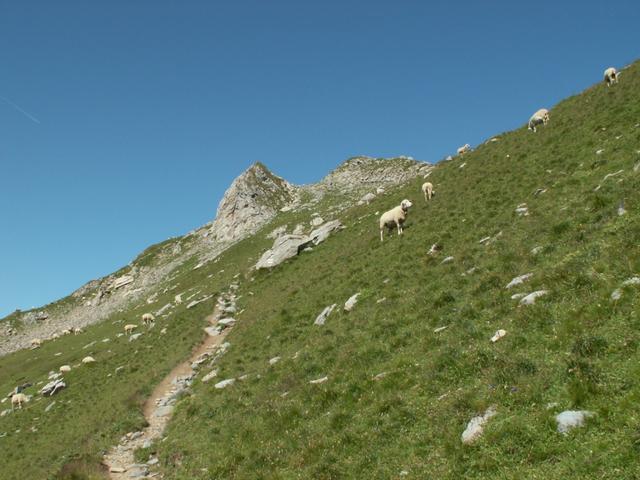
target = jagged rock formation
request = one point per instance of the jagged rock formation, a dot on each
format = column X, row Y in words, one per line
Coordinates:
column 253, row 198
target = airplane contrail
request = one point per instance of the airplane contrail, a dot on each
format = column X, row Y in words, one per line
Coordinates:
column 24, row 112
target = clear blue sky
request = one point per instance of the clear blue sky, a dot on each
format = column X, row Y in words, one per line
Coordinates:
column 122, row 122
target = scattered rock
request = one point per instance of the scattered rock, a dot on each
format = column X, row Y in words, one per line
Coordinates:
column 319, row 380
column 49, row 407
column 87, row 360
column 380, row 300
column 435, row 248
column 366, row 198
column 53, row 387
column 498, row 335
column 522, row 210
column 322, row 318
column 517, row 296
column 476, row 425
column 536, row 250
column 316, row 221
column 225, row 383
column 531, row 298
column 447, row 260
column 570, row 419
column 135, row 336
column 281, row 230
column 519, row 280
column 117, row 470
column 274, row 360
column 351, row 302
column 617, row 294
column 440, row 329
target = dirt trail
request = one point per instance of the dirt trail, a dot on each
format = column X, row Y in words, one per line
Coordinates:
column 158, row 410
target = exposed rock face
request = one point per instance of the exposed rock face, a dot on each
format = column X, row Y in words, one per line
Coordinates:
column 253, row 199
column 367, row 173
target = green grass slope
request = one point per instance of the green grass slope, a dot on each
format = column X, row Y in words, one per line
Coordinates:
column 576, row 348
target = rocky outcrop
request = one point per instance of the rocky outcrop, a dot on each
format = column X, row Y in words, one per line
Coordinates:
column 367, row 173
column 253, row 199
column 288, row 246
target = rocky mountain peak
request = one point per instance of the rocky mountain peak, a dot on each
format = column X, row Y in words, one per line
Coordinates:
column 253, row 199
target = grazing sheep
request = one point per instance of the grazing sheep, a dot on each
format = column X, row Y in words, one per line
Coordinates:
column 540, row 117
column 148, row 319
column 18, row 399
column 66, row 331
column 464, row 149
column 77, row 330
column 427, row 190
column 178, row 299
column 36, row 342
column 65, row 369
column 128, row 329
column 86, row 360
column 611, row 76
column 394, row 218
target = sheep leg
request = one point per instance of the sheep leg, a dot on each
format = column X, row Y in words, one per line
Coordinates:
column 381, row 235
column 399, row 226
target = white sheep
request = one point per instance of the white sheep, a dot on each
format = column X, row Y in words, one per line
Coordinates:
column 129, row 328
column 611, row 76
column 394, row 218
column 66, row 331
column 87, row 360
column 36, row 342
column 178, row 299
column 18, row 399
column 77, row 330
column 427, row 190
column 65, row 369
column 148, row 319
column 540, row 117
column 464, row 149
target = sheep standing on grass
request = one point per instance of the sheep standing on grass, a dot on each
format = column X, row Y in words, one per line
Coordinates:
column 18, row 399
column 464, row 149
column 36, row 342
column 77, row 331
column 394, row 218
column 427, row 190
column 148, row 319
column 128, row 329
column 541, row 117
column 611, row 76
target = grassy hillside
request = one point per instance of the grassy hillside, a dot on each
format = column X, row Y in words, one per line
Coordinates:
column 575, row 348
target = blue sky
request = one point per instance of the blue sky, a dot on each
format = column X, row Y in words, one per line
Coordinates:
column 123, row 122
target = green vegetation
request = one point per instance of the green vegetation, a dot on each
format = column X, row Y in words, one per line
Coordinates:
column 576, row 347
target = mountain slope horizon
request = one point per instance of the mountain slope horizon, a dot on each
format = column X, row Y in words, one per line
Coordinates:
column 531, row 240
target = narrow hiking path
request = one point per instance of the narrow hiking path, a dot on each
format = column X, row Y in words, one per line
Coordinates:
column 158, row 409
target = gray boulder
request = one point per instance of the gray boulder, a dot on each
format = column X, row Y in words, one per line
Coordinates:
column 284, row 247
column 570, row 419
column 321, row 233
